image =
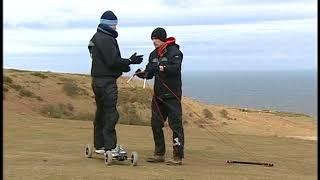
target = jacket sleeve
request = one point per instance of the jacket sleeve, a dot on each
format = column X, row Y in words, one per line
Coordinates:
column 174, row 67
column 111, row 55
column 150, row 69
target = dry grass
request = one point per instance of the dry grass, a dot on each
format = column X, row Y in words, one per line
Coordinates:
column 57, row 152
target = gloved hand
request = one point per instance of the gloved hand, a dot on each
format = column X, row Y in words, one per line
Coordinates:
column 134, row 59
column 140, row 74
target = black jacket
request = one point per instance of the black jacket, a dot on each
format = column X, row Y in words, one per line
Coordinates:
column 170, row 77
column 106, row 57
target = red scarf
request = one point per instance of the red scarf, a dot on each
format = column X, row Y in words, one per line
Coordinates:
column 162, row 49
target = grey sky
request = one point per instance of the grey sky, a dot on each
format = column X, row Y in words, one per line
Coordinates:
column 278, row 34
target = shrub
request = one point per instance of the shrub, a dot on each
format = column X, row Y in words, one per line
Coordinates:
column 70, row 107
column 16, row 87
column 56, row 110
column 5, row 89
column 224, row 114
column 72, row 89
column 207, row 114
column 129, row 114
column 26, row 93
column 38, row 74
column 7, row 80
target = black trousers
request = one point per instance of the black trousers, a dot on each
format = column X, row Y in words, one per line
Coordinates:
column 107, row 116
column 170, row 109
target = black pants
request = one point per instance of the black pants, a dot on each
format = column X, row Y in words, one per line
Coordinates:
column 161, row 110
column 106, row 118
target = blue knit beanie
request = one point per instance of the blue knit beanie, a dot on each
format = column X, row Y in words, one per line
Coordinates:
column 109, row 18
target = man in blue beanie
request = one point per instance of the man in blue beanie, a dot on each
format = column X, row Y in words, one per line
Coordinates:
column 107, row 66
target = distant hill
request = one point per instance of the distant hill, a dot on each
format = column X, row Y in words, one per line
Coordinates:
column 69, row 96
column 48, row 121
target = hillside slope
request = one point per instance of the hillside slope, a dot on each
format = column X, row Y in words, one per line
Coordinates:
column 48, row 121
column 69, row 96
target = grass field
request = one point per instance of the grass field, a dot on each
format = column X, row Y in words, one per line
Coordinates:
column 44, row 148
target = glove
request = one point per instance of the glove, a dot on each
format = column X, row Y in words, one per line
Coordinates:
column 134, row 59
column 140, row 74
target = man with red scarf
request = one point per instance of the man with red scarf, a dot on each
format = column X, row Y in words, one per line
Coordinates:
column 165, row 66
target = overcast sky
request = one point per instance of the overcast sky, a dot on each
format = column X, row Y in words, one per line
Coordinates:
column 39, row 28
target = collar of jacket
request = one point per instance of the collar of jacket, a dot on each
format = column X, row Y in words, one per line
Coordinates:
column 107, row 30
column 162, row 49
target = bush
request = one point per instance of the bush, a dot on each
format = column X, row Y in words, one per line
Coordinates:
column 7, row 80
column 72, row 89
column 5, row 88
column 56, row 110
column 132, row 95
column 70, row 107
column 129, row 115
column 16, row 87
column 224, row 114
column 26, row 93
column 207, row 114
column 38, row 74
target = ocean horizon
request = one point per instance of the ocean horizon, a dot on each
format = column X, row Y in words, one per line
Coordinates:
column 289, row 91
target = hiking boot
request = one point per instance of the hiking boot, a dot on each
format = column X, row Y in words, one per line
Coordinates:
column 155, row 159
column 174, row 161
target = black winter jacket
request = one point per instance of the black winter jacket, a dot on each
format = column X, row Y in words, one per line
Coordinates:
column 170, row 77
column 106, row 57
